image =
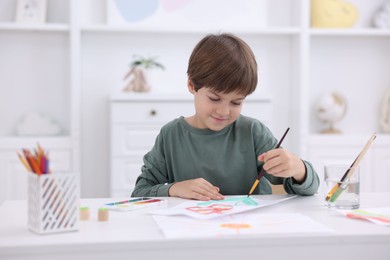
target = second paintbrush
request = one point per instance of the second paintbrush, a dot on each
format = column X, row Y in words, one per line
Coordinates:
column 262, row 172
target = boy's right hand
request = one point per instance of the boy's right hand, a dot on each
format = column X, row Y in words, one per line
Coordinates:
column 198, row 189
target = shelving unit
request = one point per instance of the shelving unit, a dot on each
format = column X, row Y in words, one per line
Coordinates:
column 39, row 74
column 78, row 61
column 354, row 63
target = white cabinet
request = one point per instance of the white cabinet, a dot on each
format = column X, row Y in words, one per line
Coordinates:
column 135, row 123
column 136, row 120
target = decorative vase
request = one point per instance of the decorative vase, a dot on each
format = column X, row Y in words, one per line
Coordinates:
column 138, row 80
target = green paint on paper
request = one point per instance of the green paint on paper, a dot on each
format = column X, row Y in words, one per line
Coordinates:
column 238, row 200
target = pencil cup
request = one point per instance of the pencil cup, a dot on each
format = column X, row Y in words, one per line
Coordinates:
column 53, row 202
column 342, row 186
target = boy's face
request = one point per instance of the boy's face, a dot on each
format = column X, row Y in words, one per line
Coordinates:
column 214, row 110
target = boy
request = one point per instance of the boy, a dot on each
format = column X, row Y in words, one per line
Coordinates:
column 217, row 151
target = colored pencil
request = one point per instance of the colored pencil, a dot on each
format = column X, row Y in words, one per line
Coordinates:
column 32, row 161
column 36, row 161
column 24, row 162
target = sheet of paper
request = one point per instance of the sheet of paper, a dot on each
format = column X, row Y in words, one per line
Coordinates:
column 218, row 208
column 239, row 224
column 379, row 216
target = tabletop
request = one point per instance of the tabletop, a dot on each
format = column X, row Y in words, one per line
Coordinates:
column 136, row 234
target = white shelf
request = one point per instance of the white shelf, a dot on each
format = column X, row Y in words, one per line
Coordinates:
column 26, row 27
column 123, row 29
column 20, row 142
column 369, row 32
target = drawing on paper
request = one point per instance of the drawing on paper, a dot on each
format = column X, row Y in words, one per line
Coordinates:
column 218, row 208
column 212, row 209
column 237, row 227
column 249, row 201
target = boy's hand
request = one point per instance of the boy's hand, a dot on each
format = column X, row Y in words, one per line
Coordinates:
column 198, row 189
column 281, row 163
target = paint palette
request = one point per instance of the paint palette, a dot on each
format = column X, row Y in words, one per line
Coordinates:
column 136, row 203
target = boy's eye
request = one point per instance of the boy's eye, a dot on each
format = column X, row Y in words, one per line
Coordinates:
column 236, row 103
column 214, row 99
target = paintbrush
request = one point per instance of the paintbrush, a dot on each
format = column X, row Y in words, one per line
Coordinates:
column 335, row 192
column 262, row 172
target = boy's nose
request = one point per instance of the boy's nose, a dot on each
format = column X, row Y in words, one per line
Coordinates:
column 223, row 110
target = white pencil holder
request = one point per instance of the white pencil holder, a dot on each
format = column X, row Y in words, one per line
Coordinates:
column 53, row 202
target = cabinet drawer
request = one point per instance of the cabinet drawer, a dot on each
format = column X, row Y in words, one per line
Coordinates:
column 162, row 112
column 149, row 112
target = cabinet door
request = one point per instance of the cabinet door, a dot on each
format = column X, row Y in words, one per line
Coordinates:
column 135, row 126
column 14, row 176
column 381, row 169
column 128, row 139
column 126, row 172
column 129, row 143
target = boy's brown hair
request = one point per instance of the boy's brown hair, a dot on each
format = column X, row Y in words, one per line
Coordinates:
column 224, row 63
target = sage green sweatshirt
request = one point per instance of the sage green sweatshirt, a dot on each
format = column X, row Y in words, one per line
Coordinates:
column 226, row 158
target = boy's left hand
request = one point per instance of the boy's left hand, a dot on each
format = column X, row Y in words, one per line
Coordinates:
column 281, row 163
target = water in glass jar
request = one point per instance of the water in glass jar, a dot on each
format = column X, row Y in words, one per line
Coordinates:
column 349, row 196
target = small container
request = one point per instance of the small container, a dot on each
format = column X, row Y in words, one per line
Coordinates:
column 342, row 186
column 53, row 202
column 103, row 214
column 84, row 213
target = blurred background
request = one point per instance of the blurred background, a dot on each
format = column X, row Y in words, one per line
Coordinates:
column 323, row 70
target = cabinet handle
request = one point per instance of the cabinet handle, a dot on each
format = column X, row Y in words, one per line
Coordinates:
column 153, row 112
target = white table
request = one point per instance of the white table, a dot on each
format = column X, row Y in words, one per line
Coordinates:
column 135, row 235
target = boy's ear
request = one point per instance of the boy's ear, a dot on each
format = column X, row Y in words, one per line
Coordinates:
column 191, row 87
